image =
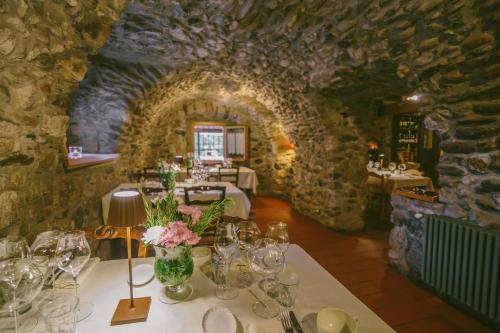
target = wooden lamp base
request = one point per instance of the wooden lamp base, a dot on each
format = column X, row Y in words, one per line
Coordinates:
column 124, row 314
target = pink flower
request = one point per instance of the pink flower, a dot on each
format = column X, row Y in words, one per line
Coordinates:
column 176, row 233
column 194, row 212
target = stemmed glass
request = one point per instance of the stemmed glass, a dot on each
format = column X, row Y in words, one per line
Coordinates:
column 44, row 255
column 248, row 234
column 72, row 253
column 267, row 259
column 10, row 276
column 392, row 167
column 401, row 168
column 226, row 243
column 277, row 231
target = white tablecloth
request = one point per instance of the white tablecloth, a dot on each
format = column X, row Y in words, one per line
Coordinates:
column 108, row 284
column 394, row 181
column 239, row 208
column 247, row 178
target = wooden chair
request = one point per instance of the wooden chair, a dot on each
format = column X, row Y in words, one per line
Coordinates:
column 151, row 173
column 201, row 189
column 231, row 175
column 110, row 232
column 207, row 238
column 379, row 201
column 152, row 190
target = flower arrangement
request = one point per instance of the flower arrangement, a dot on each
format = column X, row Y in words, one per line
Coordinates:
column 172, row 228
column 169, row 223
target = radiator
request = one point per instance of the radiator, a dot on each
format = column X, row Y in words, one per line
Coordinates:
column 462, row 262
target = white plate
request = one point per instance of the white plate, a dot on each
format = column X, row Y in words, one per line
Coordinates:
column 142, row 274
column 219, row 320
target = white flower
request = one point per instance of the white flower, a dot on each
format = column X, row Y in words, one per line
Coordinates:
column 153, row 235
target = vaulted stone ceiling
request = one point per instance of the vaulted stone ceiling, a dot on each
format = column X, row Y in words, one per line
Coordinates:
column 320, row 66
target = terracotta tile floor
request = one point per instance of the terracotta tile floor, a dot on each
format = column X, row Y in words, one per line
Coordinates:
column 359, row 261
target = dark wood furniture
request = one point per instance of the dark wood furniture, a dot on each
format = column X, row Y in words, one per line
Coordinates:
column 231, row 175
column 103, row 232
column 201, row 189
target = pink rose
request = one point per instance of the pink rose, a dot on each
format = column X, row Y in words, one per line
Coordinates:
column 176, row 233
column 194, row 212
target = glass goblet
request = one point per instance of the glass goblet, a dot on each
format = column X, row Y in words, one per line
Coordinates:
column 226, row 243
column 267, row 259
column 72, row 253
column 10, row 276
column 248, row 234
column 401, row 168
column 44, row 255
column 392, row 167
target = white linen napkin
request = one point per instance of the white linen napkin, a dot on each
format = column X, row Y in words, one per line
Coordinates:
column 66, row 280
column 270, row 326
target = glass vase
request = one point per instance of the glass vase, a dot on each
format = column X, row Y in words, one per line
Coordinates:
column 173, row 266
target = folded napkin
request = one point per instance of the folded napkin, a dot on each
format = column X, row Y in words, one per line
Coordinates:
column 269, row 326
column 66, row 280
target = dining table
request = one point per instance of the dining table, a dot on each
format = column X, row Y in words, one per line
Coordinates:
column 239, row 208
column 247, row 177
column 107, row 283
column 394, row 180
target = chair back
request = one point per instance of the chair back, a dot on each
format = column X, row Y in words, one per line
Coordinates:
column 152, row 190
column 111, row 232
column 231, row 175
column 151, row 173
column 189, row 192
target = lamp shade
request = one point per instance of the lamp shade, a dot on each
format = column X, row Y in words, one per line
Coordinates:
column 126, row 209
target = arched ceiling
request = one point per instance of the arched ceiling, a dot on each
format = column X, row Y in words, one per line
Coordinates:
column 288, row 47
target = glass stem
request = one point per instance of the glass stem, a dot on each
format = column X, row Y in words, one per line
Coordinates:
column 75, row 317
column 53, row 280
column 76, row 287
column 227, row 266
column 16, row 324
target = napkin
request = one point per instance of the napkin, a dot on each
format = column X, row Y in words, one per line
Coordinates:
column 66, row 280
column 269, row 326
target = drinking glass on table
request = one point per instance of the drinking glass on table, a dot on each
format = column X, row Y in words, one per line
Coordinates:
column 10, row 276
column 267, row 259
column 392, row 167
column 248, row 234
column 277, row 231
column 72, row 253
column 60, row 315
column 401, row 168
column 44, row 255
column 226, row 243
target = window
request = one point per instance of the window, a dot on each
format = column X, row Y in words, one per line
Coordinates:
column 209, row 143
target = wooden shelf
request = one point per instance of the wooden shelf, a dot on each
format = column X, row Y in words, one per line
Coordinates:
column 88, row 160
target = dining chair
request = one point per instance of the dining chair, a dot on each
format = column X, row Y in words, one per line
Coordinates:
column 203, row 189
column 151, row 173
column 231, row 175
column 378, row 206
column 207, row 237
column 105, row 232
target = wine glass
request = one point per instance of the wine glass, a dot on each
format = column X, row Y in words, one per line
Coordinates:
column 10, row 276
column 279, row 232
column 44, row 254
column 226, row 243
column 267, row 259
column 392, row 167
column 248, row 234
column 401, row 168
column 72, row 253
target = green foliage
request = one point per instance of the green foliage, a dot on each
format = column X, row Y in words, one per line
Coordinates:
column 165, row 211
column 174, row 271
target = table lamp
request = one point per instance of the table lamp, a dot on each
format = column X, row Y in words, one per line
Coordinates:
column 127, row 210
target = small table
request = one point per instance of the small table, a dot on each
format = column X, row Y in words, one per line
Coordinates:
column 107, row 284
column 247, row 178
column 393, row 181
column 240, row 207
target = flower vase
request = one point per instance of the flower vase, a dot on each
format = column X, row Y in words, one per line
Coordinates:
column 168, row 180
column 172, row 267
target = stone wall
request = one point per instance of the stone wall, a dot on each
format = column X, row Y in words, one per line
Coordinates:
column 44, row 47
column 315, row 65
column 172, row 136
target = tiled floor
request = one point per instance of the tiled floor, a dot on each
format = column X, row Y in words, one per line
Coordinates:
column 359, row 261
